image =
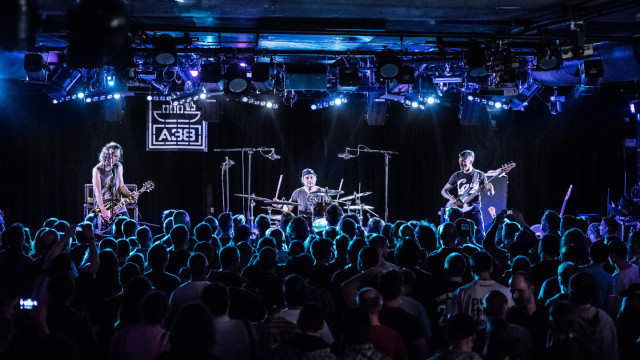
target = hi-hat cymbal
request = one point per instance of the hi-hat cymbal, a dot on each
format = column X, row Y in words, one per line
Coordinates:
column 354, row 196
column 252, row 197
column 327, row 192
column 360, row 207
column 281, row 202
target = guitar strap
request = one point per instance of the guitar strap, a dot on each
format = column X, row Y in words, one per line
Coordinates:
column 476, row 180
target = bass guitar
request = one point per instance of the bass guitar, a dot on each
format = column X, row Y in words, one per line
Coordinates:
column 463, row 200
column 113, row 206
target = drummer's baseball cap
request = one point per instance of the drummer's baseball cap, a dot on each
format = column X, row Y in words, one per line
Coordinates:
column 308, row 172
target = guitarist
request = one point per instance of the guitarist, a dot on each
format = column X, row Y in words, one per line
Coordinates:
column 108, row 185
column 468, row 181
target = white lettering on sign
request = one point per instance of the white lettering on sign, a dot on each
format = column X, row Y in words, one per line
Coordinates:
column 176, row 127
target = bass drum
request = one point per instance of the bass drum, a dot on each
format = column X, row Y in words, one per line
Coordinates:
column 320, row 209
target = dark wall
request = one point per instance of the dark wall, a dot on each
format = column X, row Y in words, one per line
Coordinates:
column 47, row 152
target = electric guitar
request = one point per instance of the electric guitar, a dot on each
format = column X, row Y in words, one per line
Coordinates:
column 147, row 186
column 463, row 200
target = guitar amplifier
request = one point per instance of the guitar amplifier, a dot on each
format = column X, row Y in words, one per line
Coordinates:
column 132, row 209
column 88, row 193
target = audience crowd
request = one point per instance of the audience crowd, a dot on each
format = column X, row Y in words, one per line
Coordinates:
column 405, row 290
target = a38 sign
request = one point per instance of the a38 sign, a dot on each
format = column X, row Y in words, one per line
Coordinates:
column 175, row 127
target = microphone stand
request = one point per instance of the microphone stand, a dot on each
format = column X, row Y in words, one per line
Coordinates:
column 225, row 170
column 387, row 154
column 250, row 203
column 113, row 193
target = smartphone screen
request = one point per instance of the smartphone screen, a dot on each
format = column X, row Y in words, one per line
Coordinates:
column 28, row 304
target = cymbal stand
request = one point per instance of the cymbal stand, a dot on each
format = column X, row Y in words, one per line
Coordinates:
column 263, row 151
column 387, row 154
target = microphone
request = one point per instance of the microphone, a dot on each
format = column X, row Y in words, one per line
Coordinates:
column 273, row 156
column 110, row 151
column 345, row 155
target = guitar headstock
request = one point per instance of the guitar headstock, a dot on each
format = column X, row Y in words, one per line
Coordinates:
column 507, row 167
column 147, row 186
column 568, row 192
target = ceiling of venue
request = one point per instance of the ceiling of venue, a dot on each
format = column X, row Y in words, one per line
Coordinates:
column 503, row 48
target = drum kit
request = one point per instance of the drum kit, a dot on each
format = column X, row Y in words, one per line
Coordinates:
column 319, row 208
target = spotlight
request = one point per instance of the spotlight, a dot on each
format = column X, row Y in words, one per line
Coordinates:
column 34, row 66
column 88, row 100
column 470, row 98
column 549, row 59
column 269, row 104
column 193, row 73
column 431, row 100
column 414, row 104
column 263, row 103
column 55, row 101
column 476, row 59
column 111, row 80
column 260, row 72
column 344, row 100
column 388, row 64
column 275, row 106
column 237, row 78
column 80, row 95
column 314, row 106
column 338, row 101
column 331, row 102
column 165, row 52
column 406, row 75
column 62, row 82
column 202, row 96
column 245, row 99
column 210, row 73
column 497, row 104
column 149, row 97
column 422, row 107
column 348, row 78
column 116, row 96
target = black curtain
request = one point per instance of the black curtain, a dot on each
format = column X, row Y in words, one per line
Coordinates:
column 47, row 152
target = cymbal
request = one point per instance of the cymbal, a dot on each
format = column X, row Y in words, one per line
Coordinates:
column 252, row 197
column 360, row 207
column 354, row 196
column 271, row 208
column 281, row 202
column 327, row 192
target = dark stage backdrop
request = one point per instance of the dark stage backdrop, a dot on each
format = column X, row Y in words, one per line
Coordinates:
column 47, row 152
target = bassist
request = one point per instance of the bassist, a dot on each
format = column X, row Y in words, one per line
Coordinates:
column 467, row 182
column 108, row 185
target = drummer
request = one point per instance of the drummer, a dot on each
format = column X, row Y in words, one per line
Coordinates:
column 303, row 195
